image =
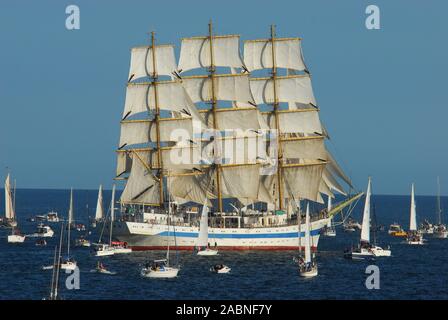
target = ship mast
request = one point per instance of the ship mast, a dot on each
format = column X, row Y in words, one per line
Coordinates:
column 157, row 116
column 212, row 71
column 277, row 123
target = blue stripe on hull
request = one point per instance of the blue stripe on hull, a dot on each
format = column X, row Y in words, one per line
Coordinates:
column 240, row 236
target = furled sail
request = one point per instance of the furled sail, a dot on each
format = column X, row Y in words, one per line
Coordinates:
column 142, row 61
column 288, row 54
column 413, row 218
column 365, row 230
column 71, row 209
column 195, row 52
column 203, row 228
column 307, row 235
column 99, row 213
column 9, row 207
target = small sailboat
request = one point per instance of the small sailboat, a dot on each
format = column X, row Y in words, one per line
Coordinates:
column 440, row 231
column 220, row 268
column 413, row 236
column 104, row 249
column 69, row 263
column 377, row 250
column 42, row 231
column 365, row 249
column 396, row 230
column 10, row 216
column 52, row 216
column 330, row 230
column 426, row 227
column 41, row 243
column 101, row 268
column 99, row 213
column 161, row 268
column 202, row 242
column 82, row 242
column 54, row 289
column 307, row 264
column 16, row 236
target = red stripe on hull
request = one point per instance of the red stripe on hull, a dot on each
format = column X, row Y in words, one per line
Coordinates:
column 224, row 248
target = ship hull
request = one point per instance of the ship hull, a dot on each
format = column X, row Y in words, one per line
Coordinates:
column 145, row 236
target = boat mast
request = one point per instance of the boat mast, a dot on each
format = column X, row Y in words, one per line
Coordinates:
column 14, row 202
column 277, row 124
column 54, row 272
column 58, row 265
column 70, row 217
column 439, row 208
column 212, row 71
column 168, row 238
column 112, row 211
column 157, row 117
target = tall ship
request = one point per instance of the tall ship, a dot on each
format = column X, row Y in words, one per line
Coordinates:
column 240, row 134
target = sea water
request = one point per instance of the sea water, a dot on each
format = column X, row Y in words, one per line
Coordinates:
column 413, row 272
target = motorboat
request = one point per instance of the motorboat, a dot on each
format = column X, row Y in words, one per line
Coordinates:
column 159, row 269
column 52, row 216
column 103, row 249
column 220, row 268
column 82, row 242
column 396, row 230
column 16, row 237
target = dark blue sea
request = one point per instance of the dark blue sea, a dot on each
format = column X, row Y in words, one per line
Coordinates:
column 413, row 272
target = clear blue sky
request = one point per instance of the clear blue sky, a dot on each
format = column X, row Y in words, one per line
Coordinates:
column 382, row 93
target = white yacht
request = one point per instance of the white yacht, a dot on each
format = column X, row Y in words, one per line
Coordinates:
column 329, row 230
column 159, row 269
column 52, row 216
column 307, row 265
column 202, row 242
column 365, row 249
column 16, row 236
column 413, row 236
column 43, row 231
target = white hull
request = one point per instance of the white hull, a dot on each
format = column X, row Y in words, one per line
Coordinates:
column 104, row 253
column 146, row 236
column 207, row 252
column 330, row 233
column 415, row 242
column 103, row 271
column 16, row 239
column 308, row 274
column 168, row 272
column 122, row 250
column 380, row 252
column 440, row 235
column 68, row 266
column 225, row 269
